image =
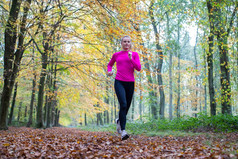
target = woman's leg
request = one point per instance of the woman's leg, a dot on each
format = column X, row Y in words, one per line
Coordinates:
column 129, row 94
column 121, row 96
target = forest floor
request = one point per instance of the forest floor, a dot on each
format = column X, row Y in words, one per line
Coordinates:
column 74, row 143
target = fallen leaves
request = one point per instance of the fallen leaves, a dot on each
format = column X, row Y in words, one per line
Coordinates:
column 73, row 143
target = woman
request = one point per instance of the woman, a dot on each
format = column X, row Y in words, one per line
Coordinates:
column 127, row 61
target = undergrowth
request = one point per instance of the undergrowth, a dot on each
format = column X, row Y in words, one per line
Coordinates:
column 182, row 126
column 202, row 123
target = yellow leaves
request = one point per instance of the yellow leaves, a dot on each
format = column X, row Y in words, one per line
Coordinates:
column 204, row 148
column 6, row 144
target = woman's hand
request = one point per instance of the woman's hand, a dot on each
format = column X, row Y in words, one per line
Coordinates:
column 110, row 73
column 130, row 54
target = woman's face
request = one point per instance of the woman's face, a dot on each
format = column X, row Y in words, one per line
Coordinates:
column 126, row 43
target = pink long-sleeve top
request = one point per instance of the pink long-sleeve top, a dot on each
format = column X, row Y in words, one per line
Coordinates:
column 125, row 65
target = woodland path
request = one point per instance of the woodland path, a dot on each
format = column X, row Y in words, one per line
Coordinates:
column 74, row 143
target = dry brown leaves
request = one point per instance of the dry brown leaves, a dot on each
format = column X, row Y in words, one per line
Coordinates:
column 73, row 143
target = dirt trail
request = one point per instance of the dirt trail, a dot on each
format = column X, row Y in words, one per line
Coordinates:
column 73, row 143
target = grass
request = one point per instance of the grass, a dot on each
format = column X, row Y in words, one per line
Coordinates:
column 183, row 126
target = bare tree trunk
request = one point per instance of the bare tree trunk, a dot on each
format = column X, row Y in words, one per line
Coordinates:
column 57, row 119
column 54, row 99
column 179, row 75
column 170, row 70
column 45, row 109
column 49, row 114
column 25, row 115
column 13, row 104
column 205, row 86
column 112, row 108
column 236, row 78
column 133, row 108
column 115, row 106
column 85, row 119
column 196, row 76
column 152, row 88
column 39, row 119
column 32, row 100
column 19, row 112
column 160, row 61
column 140, row 104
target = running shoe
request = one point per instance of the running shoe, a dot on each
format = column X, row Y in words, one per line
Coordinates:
column 124, row 135
column 118, row 126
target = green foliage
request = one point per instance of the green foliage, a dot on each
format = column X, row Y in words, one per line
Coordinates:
column 203, row 123
column 19, row 124
column 184, row 126
column 106, row 128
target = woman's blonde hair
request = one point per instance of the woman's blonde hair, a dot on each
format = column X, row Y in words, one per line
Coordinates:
column 127, row 36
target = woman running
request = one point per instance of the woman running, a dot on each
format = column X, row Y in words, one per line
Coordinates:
column 127, row 61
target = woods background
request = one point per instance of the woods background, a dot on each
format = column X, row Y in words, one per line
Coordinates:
column 54, row 56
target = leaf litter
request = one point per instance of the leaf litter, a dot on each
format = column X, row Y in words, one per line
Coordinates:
column 74, row 143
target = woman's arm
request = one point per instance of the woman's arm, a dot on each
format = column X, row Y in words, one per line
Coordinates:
column 110, row 65
column 136, row 61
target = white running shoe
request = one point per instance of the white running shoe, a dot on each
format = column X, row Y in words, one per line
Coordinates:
column 124, row 135
column 118, row 126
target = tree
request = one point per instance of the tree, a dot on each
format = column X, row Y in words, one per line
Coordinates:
column 13, row 104
column 210, row 59
column 160, row 60
column 220, row 29
column 222, row 34
column 12, row 56
column 56, row 14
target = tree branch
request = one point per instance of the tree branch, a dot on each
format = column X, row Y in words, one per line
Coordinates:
column 232, row 18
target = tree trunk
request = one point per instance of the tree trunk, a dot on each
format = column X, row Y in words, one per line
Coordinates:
column 140, row 104
column 45, row 109
column 106, row 99
column 133, row 108
column 105, row 116
column 160, row 61
column 236, row 54
column 225, row 74
column 196, row 76
column 179, row 74
column 25, row 115
column 222, row 38
column 170, row 70
column 54, row 98
column 115, row 106
column 205, row 86
column 19, row 112
column 58, row 116
column 152, row 88
column 85, row 119
column 12, row 59
column 39, row 120
column 225, row 70
column 13, row 104
column 111, row 104
column 8, row 75
column 210, row 60
column 49, row 114
column 32, row 100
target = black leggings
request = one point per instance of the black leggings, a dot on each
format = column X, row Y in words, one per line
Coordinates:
column 124, row 92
